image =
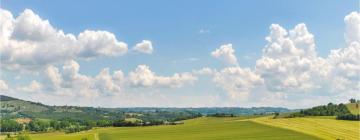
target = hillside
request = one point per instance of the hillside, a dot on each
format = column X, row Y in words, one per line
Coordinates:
column 354, row 108
column 16, row 108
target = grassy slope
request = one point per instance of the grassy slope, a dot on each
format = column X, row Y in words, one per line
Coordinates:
column 196, row 129
column 24, row 106
column 320, row 127
column 353, row 109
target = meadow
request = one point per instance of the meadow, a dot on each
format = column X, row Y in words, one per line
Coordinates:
column 204, row 128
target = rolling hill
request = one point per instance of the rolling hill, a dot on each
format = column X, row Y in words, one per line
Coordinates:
column 354, row 108
column 17, row 108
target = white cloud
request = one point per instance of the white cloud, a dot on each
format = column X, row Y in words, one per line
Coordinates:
column 28, row 42
column 352, row 28
column 345, row 72
column 33, row 87
column 290, row 64
column 204, row 71
column 53, row 76
column 237, row 82
column 100, row 43
column 70, row 83
column 3, row 86
column 226, row 53
column 144, row 47
column 105, row 83
column 71, row 69
column 143, row 76
column 289, row 60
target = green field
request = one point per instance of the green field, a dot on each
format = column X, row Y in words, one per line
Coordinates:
column 322, row 127
column 206, row 128
column 236, row 128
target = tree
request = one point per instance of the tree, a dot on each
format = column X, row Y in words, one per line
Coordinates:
column 39, row 125
column 10, row 126
column 352, row 100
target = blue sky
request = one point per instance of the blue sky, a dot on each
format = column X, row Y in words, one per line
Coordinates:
column 184, row 33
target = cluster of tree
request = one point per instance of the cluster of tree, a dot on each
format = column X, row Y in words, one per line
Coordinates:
column 340, row 111
column 69, row 125
column 221, row 115
column 352, row 100
column 348, row 116
column 125, row 123
column 7, row 125
column 170, row 116
column 38, row 125
column 325, row 110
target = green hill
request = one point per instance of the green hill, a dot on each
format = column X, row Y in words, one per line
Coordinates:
column 354, row 108
column 16, row 108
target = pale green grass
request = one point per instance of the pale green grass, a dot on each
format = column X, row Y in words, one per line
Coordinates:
column 320, row 127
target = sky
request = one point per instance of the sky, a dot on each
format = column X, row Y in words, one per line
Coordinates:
column 160, row 53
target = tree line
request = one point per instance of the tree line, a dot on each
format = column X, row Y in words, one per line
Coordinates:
column 69, row 125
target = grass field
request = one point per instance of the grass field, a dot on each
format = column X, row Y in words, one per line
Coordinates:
column 322, row 127
column 196, row 129
column 209, row 128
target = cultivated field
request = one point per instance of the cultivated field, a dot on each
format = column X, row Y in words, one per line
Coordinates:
column 322, row 127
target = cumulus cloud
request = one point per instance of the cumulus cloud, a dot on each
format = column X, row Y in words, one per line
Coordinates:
column 144, row 47
column 225, row 53
column 105, row 82
column 204, row 71
column 29, row 42
column 53, row 76
column 237, row 82
column 345, row 69
column 352, row 28
column 3, row 86
column 290, row 64
column 143, row 76
column 70, row 82
column 289, row 60
column 33, row 87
